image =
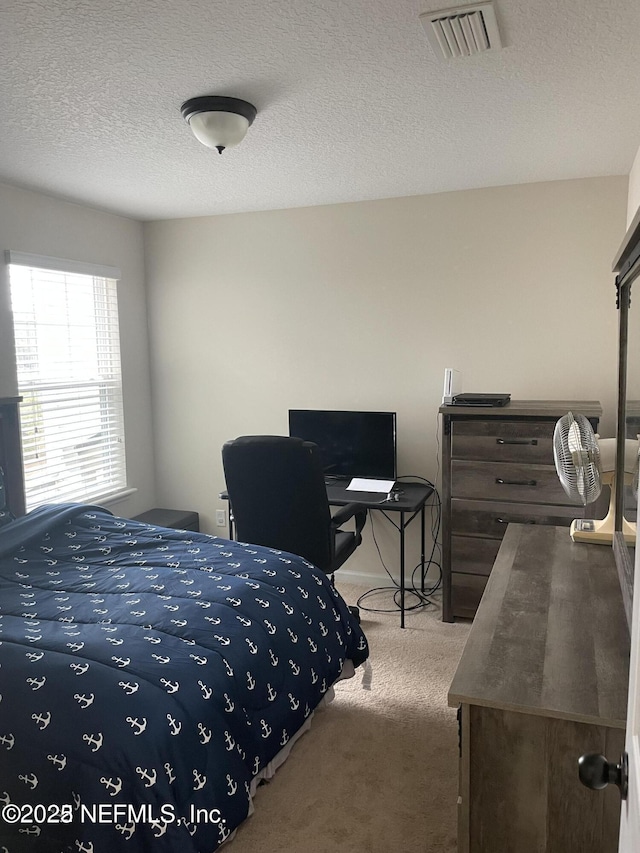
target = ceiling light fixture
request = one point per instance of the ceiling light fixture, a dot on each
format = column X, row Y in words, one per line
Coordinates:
column 218, row 122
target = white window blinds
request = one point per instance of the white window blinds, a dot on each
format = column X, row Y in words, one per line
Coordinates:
column 65, row 317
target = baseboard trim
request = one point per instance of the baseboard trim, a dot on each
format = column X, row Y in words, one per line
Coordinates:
column 361, row 578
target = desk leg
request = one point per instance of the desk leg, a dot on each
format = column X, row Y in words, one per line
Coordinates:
column 402, row 568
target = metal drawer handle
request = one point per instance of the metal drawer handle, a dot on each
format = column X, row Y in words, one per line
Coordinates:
column 501, row 482
column 533, row 441
column 519, row 521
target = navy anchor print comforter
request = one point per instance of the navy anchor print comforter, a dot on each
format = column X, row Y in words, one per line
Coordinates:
column 147, row 675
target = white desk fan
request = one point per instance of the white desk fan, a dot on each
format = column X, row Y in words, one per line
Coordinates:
column 585, row 462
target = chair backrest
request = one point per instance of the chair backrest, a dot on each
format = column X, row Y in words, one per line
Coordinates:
column 278, row 495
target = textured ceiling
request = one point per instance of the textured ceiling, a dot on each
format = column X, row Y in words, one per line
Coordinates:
column 352, row 102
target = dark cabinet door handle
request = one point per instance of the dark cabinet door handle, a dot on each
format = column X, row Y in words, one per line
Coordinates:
column 501, row 482
column 532, row 441
column 596, row 772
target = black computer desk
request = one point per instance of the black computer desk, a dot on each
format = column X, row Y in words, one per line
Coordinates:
column 411, row 502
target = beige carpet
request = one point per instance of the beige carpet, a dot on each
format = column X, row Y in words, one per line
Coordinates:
column 378, row 769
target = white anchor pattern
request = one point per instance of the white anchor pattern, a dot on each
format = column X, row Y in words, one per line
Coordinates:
column 145, row 665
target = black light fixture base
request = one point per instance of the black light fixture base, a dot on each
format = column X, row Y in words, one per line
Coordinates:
column 218, row 103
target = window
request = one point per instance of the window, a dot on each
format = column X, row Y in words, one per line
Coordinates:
column 65, row 317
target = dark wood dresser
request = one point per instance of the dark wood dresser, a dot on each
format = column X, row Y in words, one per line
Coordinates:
column 497, row 468
column 542, row 680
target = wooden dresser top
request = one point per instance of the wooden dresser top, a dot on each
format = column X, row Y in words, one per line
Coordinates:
column 550, row 636
column 529, row 409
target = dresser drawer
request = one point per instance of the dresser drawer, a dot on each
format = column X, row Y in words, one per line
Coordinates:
column 482, row 518
column 507, row 481
column 503, row 441
column 474, row 555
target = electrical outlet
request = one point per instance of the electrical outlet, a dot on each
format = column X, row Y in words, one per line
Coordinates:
column 221, row 517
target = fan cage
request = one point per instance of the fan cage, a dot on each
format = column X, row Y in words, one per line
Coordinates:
column 577, row 458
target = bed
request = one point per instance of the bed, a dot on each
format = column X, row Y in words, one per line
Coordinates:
column 150, row 677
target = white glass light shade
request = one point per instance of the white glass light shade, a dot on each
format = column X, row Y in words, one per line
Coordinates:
column 219, row 129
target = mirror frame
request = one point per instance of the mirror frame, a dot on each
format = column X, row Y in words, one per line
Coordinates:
column 627, row 266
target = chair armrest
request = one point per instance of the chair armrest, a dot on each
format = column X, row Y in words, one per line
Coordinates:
column 352, row 510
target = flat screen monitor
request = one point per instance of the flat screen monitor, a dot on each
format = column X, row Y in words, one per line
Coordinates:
column 352, row 444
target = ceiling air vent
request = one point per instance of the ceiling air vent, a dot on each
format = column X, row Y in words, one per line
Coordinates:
column 464, row 31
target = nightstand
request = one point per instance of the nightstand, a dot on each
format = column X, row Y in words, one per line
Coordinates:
column 179, row 519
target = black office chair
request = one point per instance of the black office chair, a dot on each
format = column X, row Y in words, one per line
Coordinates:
column 278, row 498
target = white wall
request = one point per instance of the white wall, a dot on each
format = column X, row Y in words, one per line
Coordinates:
column 344, row 306
column 32, row 222
column 363, row 306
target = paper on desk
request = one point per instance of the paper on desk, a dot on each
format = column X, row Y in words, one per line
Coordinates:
column 361, row 484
